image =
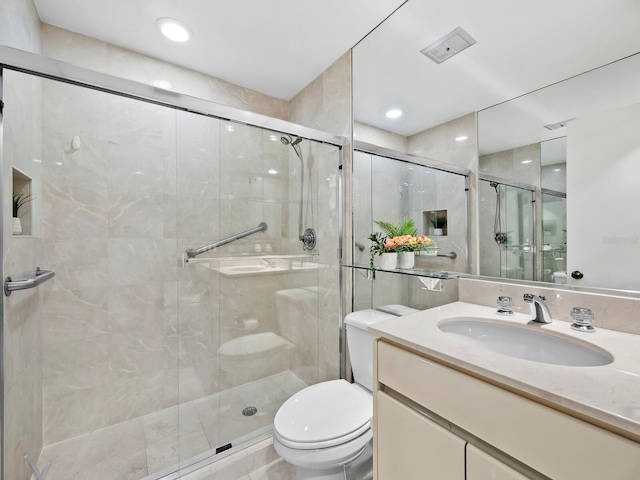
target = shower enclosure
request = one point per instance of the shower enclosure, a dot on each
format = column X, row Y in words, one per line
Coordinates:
column 506, row 229
column 148, row 362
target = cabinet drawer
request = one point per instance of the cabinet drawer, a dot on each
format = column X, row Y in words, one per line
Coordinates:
column 551, row 442
column 410, row 446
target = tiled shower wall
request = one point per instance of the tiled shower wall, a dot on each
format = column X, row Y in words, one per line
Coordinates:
column 22, row 313
column 127, row 332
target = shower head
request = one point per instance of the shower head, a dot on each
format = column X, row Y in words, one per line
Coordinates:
column 288, row 140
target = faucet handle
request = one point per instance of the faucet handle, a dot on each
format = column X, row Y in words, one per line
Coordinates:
column 506, row 305
column 582, row 318
column 530, row 297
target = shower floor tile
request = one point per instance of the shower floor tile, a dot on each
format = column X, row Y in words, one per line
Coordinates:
column 144, row 446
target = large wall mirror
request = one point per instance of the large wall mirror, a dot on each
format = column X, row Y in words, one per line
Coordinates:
column 550, row 108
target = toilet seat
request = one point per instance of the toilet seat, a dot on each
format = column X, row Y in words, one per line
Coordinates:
column 324, row 415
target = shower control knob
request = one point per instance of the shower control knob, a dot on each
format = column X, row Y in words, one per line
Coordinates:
column 577, row 274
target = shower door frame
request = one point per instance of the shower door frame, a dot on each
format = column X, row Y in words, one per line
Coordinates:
column 48, row 68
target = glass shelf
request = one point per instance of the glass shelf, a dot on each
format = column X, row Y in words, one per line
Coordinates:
column 416, row 272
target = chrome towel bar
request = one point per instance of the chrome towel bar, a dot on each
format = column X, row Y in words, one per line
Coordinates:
column 41, row 277
column 452, row 255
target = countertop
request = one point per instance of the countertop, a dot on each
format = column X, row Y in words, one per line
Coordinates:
column 608, row 394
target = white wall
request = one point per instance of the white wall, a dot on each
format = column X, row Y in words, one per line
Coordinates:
column 603, row 225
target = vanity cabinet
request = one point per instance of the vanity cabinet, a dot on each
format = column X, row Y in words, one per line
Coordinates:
column 537, row 441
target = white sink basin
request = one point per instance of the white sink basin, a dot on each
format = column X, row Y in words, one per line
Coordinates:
column 525, row 342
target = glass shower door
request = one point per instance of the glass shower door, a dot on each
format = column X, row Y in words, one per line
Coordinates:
column 554, row 237
column 506, row 231
column 253, row 314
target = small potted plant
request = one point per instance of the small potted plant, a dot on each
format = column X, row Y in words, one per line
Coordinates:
column 438, row 223
column 19, row 199
column 382, row 248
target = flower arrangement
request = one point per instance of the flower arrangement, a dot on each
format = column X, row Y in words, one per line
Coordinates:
column 399, row 239
column 409, row 243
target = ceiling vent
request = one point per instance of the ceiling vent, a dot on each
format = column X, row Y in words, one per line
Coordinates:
column 555, row 126
column 448, row 46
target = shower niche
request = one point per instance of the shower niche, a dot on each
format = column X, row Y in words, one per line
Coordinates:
column 435, row 222
column 21, row 198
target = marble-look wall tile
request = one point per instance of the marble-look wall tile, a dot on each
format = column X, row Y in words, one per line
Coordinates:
column 23, row 30
column 508, row 164
column 376, row 136
column 325, row 104
column 438, row 143
column 103, row 57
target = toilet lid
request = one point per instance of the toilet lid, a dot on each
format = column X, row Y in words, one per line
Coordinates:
column 323, row 415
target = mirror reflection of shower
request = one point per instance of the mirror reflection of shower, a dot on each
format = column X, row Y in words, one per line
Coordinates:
column 498, row 235
column 308, row 236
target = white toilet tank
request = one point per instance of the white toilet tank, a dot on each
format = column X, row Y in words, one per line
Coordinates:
column 360, row 343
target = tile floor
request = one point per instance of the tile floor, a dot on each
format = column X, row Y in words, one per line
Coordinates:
column 151, row 445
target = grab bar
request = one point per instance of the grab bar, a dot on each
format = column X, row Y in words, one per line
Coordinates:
column 41, row 277
column 197, row 251
column 452, row 255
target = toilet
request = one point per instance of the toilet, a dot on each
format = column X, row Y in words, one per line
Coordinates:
column 325, row 428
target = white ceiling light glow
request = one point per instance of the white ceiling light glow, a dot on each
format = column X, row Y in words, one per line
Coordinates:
column 525, row 161
column 394, row 113
column 461, row 138
column 173, row 29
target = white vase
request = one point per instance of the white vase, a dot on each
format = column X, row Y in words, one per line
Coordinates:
column 437, row 231
column 17, row 226
column 386, row 261
column 406, row 259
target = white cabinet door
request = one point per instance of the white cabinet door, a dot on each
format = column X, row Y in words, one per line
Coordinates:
column 482, row 466
column 412, row 447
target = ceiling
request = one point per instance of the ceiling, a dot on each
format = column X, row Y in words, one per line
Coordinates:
column 521, row 46
column 276, row 47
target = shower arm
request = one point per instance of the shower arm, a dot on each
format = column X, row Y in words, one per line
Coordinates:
column 197, row 251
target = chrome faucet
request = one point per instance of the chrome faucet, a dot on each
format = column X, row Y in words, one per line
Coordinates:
column 539, row 308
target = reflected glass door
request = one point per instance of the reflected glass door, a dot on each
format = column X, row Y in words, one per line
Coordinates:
column 554, row 237
column 506, row 231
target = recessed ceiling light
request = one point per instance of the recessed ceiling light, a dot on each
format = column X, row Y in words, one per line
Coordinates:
column 173, row 29
column 272, row 171
column 394, row 113
column 526, row 161
column 461, row 138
